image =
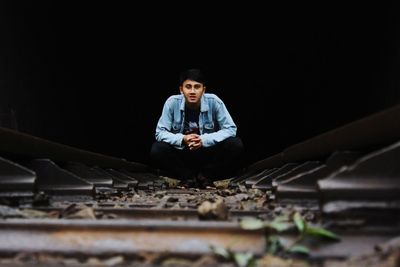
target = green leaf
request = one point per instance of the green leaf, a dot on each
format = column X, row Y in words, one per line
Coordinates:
column 252, row 224
column 299, row 249
column 273, row 244
column 282, row 218
column 299, row 221
column 279, row 226
column 221, row 252
column 321, row 232
column 243, row 259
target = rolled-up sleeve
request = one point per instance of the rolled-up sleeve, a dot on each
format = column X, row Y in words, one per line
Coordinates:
column 226, row 125
column 164, row 126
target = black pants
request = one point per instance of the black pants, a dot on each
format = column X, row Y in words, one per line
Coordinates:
column 217, row 162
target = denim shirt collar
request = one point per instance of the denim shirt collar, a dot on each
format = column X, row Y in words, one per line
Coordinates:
column 203, row 104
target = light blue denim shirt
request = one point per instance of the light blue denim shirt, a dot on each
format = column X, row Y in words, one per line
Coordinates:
column 215, row 122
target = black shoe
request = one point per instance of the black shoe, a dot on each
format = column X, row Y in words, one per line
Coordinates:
column 204, row 182
column 188, row 183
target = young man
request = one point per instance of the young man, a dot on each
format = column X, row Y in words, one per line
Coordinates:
column 196, row 136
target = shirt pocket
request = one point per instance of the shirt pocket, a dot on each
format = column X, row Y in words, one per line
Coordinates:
column 209, row 128
column 176, row 128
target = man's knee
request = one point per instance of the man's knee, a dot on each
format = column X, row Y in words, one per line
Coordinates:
column 160, row 149
column 233, row 145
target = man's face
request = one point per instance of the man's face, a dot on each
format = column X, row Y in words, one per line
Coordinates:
column 192, row 91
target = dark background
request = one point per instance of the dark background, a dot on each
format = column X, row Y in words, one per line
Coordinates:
column 95, row 75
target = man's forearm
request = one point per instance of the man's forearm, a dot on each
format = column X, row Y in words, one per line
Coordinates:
column 214, row 138
column 170, row 138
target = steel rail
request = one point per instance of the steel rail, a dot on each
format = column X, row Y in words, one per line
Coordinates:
column 20, row 144
column 125, row 236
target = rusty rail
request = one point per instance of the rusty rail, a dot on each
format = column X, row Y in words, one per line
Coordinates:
column 125, row 236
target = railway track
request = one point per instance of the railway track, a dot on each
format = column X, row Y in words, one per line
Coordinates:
column 332, row 200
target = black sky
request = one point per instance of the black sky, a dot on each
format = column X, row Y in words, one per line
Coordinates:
column 95, row 76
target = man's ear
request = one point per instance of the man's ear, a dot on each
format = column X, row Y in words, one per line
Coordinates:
column 180, row 89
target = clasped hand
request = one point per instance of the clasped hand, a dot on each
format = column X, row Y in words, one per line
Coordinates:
column 192, row 141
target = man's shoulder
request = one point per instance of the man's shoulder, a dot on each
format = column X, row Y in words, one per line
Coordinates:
column 174, row 99
column 212, row 98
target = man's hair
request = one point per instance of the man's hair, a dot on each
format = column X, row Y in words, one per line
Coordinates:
column 193, row 75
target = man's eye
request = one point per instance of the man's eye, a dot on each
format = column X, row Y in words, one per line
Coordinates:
column 197, row 86
column 188, row 86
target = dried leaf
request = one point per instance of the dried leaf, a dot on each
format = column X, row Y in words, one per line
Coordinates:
column 170, row 181
column 213, row 211
column 86, row 213
column 222, row 184
column 269, row 260
column 9, row 212
column 29, row 213
column 175, row 261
